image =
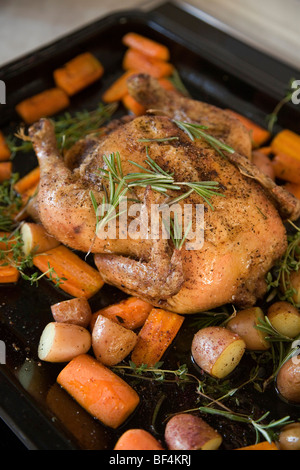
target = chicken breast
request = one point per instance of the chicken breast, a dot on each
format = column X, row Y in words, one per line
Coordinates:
column 244, row 234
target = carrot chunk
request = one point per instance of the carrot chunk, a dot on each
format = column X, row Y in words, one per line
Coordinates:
column 5, row 171
column 98, row 390
column 4, row 150
column 8, row 274
column 130, row 313
column 258, row 134
column 137, row 439
column 293, row 188
column 78, row 73
column 29, row 181
column 156, row 335
column 132, row 105
column 265, row 445
column 147, row 46
column 288, row 143
column 118, row 89
column 81, row 279
column 136, row 60
column 44, row 104
column 286, row 168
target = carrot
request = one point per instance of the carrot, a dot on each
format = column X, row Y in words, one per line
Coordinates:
column 286, row 168
column 265, row 445
column 118, row 89
column 36, row 239
column 266, row 150
column 288, row 143
column 258, row 134
column 5, row 171
column 146, row 46
column 156, row 335
column 137, row 439
column 98, row 390
column 79, row 278
column 293, row 188
column 78, row 73
column 28, row 182
column 136, row 60
column 132, row 105
column 130, row 313
column 166, row 84
column 44, row 104
column 5, row 153
column 8, row 274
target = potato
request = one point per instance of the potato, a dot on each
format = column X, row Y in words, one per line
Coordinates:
column 61, row 342
column 285, row 318
column 244, row 323
column 111, row 342
column 76, row 311
column 189, row 432
column 288, row 380
column 217, row 350
column 289, row 437
column 264, row 163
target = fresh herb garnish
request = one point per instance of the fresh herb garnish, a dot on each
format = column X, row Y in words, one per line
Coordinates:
column 273, row 117
column 10, row 203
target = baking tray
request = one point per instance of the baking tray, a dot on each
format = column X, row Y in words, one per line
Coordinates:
column 215, row 68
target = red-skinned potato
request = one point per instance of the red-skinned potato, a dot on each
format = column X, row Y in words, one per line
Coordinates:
column 288, row 380
column 264, row 163
column 285, row 318
column 217, row 350
column 289, row 437
column 111, row 342
column 244, row 324
column 61, row 342
column 188, row 432
column 76, row 311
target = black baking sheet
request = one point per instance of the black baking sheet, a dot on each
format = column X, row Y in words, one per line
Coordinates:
column 215, row 68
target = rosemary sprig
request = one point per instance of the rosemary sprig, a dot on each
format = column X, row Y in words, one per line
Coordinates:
column 69, row 128
column 196, row 131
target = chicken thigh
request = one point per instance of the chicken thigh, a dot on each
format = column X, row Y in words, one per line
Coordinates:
column 243, row 231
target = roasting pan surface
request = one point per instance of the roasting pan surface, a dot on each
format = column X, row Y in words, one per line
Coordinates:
column 215, row 68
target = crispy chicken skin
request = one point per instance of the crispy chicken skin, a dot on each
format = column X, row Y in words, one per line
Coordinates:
column 243, row 236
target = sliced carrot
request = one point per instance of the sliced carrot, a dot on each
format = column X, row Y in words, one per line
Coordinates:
column 293, row 188
column 118, row 89
column 166, row 84
column 266, row 150
column 137, row 439
column 81, row 279
column 130, row 313
column 156, row 335
column 5, row 171
column 258, row 134
column 132, row 105
column 8, row 274
column 288, row 143
column 286, row 168
column 5, row 153
column 147, row 46
column 44, row 104
column 28, row 182
column 98, row 390
column 136, row 60
column 265, row 445
column 78, row 73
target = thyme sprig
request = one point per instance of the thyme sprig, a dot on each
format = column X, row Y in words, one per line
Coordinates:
column 69, row 128
column 10, row 203
column 272, row 118
column 278, row 280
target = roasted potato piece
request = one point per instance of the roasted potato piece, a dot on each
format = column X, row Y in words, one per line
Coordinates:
column 36, row 239
column 76, row 311
column 288, row 380
column 188, row 432
column 244, row 324
column 285, row 318
column 217, row 350
column 289, row 437
column 111, row 342
column 61, row 342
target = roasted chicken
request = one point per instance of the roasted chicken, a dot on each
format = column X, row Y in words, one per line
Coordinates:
column 244, row 233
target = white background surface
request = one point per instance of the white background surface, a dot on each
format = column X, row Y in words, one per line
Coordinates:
column 271, row 25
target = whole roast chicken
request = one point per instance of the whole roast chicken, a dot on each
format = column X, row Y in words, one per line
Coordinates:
column 244, row 233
